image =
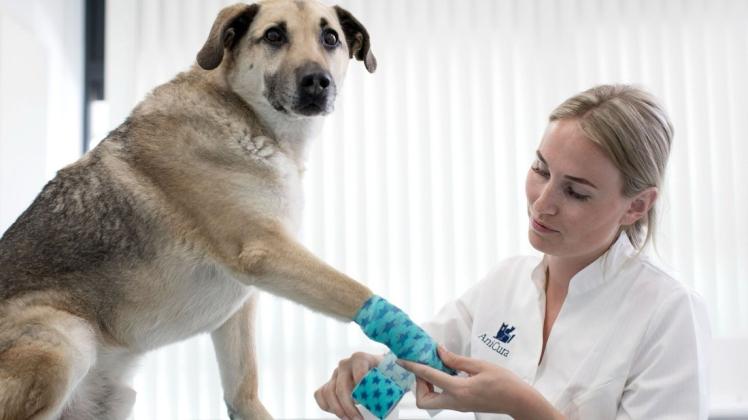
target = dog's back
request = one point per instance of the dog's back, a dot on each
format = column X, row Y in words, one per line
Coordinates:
column 81, row 223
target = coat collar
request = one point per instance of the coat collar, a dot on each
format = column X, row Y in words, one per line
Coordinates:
column 597, row 273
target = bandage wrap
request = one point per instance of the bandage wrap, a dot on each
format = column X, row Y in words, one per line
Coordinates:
column 383, row 387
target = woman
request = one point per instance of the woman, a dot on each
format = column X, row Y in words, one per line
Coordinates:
column 594, row 329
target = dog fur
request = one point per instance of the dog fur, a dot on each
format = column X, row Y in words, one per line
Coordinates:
column 165, row 229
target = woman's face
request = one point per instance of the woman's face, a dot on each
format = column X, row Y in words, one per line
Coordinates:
column 574, row 195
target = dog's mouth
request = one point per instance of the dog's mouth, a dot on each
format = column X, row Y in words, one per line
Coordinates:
column 307, row 107
column 311, row 109
column 312, row 105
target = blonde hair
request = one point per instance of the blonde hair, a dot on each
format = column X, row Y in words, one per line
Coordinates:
column 635, row 133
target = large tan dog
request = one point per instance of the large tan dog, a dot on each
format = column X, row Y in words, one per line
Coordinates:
column 162, row 231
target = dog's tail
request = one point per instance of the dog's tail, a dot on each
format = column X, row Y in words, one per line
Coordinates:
column 44, row 353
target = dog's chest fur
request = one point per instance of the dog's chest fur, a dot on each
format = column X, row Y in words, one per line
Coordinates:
column 182, row 291
column 235, row 175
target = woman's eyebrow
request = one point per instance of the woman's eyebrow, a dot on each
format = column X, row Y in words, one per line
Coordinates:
column 580, row 181
column 569, row 177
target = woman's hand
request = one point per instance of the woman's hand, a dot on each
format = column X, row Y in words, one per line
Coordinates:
column 335, row 396
column 487, row 389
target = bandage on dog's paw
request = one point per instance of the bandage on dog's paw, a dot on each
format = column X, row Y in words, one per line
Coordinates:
column 387, row 324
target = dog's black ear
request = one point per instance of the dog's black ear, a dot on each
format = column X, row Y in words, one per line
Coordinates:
column 357, row 38
column 230, row 25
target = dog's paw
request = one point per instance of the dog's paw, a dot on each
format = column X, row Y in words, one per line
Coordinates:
column 259, row 146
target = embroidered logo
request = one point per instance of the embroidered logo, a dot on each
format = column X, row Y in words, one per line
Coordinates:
column 502, row 338
column 505, row 333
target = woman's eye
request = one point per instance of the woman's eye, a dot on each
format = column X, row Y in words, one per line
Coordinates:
column 274, row 36
column 540, row 171
column 330, row 39
column 577, row 196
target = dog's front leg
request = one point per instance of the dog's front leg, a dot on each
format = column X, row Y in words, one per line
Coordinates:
column 280, row 264
column 235, row 350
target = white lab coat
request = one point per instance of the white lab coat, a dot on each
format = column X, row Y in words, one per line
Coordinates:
column 630, row 342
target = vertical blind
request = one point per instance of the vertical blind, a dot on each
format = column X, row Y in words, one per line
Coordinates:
column 416, row 186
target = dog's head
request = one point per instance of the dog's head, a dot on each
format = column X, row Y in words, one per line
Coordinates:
column 290, row 55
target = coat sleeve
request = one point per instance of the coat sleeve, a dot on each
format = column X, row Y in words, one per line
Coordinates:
column 669, row 376
column 452, row 325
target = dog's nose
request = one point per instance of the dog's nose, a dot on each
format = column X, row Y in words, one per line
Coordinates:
column 315, row 90
column 315, row 84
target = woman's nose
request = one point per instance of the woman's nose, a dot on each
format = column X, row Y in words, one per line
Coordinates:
column 545, row 203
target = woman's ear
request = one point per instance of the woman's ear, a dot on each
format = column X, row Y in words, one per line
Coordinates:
column 639, row 206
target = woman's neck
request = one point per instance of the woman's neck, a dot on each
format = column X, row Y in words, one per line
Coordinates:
column 562, row 269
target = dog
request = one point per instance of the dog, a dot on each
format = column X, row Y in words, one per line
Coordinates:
column 170, row 226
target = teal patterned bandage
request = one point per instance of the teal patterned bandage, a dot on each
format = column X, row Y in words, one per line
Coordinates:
column 383, row 387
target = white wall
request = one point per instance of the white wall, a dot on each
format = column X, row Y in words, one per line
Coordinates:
column 41, row 76
column 23, row 104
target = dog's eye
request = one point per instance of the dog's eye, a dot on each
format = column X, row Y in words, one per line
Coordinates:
column 330, row 39
column 274, row 36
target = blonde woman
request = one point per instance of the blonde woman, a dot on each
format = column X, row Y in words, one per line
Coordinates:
column 592, row 330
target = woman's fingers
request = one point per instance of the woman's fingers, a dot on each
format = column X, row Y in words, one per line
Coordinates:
column 434, row 376
column 427, row 398
column 328, row 401
column 333, row 398
column 343, row 389
column 321, row 401
column 423, row 389
column 457, row 362
column 361, row 364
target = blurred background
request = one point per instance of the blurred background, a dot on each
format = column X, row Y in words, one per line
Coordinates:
column 416, row 186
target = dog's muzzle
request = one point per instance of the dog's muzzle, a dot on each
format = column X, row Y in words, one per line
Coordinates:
column 315, row 90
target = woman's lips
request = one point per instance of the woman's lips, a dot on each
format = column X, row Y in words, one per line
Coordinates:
column 540, row 228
